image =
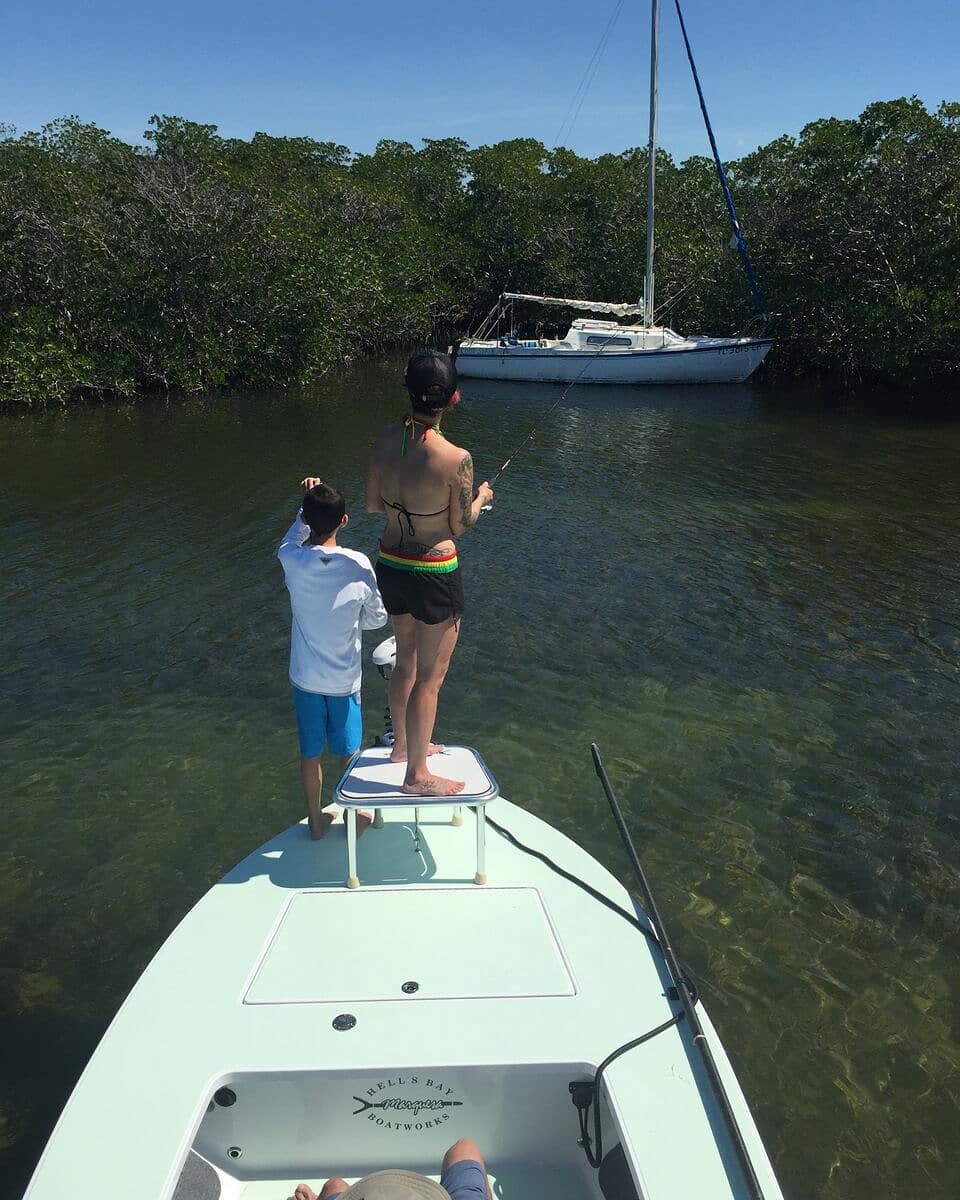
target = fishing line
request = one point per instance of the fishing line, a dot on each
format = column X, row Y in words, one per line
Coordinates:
column 555, row 405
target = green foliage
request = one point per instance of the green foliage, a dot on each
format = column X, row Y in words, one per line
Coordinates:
column 858, row 234
column 39, row 363
column 198, row 261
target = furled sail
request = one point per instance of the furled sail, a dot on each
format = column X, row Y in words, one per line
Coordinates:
column 606, row 306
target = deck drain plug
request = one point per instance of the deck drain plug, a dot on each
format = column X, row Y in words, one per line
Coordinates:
column 225, row 1097
column 234, row 1152
column 410, row 987
column 344, row 1021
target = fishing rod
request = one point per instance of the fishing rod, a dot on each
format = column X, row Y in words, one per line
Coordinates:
column 682, row 985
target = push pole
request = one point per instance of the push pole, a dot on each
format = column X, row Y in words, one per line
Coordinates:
column 681, row 985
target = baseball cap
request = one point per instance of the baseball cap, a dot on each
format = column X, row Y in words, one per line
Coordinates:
column 395, row 1185
column 431, row 378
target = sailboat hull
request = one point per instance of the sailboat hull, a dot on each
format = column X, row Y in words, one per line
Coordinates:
column 697, row 360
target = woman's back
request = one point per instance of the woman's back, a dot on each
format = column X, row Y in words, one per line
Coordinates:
column 416, row 471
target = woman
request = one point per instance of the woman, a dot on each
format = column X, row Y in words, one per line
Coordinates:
column 423, row 484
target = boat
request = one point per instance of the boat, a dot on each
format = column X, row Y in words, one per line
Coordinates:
column 465, row 969
column 610, row 351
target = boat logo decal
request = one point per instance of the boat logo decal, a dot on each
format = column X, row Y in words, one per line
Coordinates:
column 405, row 1112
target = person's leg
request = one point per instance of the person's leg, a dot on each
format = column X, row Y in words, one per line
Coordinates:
column 345, row 736
column 435, row 645
column 311, row 776
column 332, row 1188
column 401, row 682
column 464, row 1173
column 311, row 730
column 363, row 818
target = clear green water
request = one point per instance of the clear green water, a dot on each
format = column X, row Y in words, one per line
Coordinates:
column 749, row 599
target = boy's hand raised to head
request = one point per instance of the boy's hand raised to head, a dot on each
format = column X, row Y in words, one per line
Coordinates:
column 309, row 482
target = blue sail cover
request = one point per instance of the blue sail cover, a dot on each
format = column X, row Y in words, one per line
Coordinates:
column 737, row 241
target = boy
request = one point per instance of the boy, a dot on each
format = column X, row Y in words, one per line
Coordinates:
column 333, row 595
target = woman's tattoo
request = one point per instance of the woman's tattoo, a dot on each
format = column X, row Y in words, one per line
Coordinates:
column 465, row 471
column 422, row 549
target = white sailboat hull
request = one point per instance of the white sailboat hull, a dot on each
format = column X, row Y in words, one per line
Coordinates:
column 696, row 360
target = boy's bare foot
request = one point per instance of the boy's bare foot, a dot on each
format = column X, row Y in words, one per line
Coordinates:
column 399, row 753
column 318, row 830
column 304, row 1192
column 433, row 785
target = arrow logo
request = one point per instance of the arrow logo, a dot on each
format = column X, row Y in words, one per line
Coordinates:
column 401, row 1104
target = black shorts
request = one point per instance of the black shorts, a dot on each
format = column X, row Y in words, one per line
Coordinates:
column 430, row 598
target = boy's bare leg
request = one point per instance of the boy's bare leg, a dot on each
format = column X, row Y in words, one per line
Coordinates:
column 311, row 776
column 435, row 645
column 401, row 683
column 363, row 818
column 464, row 1150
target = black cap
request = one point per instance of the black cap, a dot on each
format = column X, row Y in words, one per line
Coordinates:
column 431, row 378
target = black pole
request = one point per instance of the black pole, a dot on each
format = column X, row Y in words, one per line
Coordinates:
column 680, row 982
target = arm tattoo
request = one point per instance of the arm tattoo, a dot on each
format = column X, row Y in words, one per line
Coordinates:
column 465, row 472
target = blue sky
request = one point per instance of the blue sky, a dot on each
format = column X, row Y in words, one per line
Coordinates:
column 357, row 72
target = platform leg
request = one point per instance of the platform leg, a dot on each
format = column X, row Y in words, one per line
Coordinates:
column 416, row 831
column 481, row 875
column 353, row 880
column 457, row 818
column 378, row 818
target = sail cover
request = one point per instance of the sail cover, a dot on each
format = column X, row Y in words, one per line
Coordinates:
column 607, row 306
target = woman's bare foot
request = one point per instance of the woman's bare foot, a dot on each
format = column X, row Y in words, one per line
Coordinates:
column 318, row 830
column 399, row 753
column 304, row 1191
column 432, row 785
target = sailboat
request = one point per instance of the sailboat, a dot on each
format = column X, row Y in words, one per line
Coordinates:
column 608, row 351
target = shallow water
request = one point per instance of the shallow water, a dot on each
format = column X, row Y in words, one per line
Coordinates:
column 749, row 598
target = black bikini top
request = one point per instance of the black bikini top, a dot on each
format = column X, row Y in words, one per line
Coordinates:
column 405, row 513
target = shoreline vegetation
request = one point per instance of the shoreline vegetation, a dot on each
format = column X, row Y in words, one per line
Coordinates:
column 197, row 262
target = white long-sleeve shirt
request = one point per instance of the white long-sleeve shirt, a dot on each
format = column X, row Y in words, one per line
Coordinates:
column 333, row 595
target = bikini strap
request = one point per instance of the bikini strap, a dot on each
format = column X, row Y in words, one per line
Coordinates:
column 408, row 424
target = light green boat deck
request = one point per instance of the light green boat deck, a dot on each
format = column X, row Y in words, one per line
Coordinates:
column 523, row 985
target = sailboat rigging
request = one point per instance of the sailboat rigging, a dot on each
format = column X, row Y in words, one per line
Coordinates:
column 637, row 353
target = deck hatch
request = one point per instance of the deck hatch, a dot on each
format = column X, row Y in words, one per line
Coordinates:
column 356, row 946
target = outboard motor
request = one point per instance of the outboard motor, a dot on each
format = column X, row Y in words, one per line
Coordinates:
column 385, row 659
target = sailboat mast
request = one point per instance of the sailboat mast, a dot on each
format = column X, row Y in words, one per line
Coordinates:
column 651, row 161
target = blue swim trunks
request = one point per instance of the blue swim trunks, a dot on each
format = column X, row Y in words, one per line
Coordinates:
column 333, row 722
column 464, row 1180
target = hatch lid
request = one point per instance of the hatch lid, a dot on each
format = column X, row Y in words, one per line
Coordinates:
column 454, row 943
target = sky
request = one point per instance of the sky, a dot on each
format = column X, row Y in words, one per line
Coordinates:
column 354, row 73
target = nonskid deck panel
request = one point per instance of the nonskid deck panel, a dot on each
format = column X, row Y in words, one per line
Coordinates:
column 406, row 945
